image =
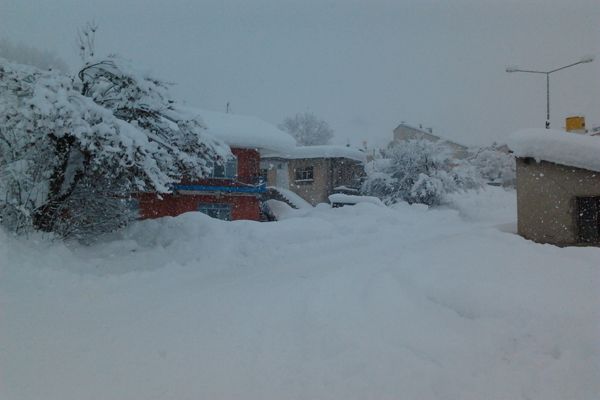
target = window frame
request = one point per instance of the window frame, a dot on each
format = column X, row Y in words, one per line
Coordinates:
column 229, row 167
column 218, row 207
column 301, row 175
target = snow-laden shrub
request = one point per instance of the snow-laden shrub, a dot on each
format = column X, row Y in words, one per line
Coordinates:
column 142, row 100
column 495, row 166
column 418, row 171
column 70, row 162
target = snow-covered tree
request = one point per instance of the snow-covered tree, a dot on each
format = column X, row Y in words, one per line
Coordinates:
column 307, row 129
column 495, row 166
column 418, row 171
column 144, row 101
column 23, row 54
column 70, row 162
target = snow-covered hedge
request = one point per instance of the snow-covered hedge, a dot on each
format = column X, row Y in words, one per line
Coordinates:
column 418, row 171
column 69, row 162
column 495, row 166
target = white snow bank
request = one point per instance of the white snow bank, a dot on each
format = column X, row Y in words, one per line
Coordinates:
column 281, row 210
column 495, row 203
column 244, row 131
column 325, row 151
column 347, row 303
column 294, row 198
column 573, row 149
column 352, row 199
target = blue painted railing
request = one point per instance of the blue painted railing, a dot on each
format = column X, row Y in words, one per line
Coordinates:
column 260, row 188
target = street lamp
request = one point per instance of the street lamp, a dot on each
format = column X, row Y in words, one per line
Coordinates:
column 586, row 59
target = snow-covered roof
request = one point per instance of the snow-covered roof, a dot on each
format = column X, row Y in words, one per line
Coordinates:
column 416, row 128
column 573, row 149
column 425, row 132
column 324, row 151
column 244, row 131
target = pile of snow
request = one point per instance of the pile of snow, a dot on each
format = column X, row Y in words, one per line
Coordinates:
column 293, row 198
column 494, row 204
column 324, row 151
column 244, row 131
column 281, row 210
column 345, row 188
column 575, row 150
column 342, row 198
column 339, row 303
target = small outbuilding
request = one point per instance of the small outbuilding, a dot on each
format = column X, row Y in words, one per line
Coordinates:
column 558, row 186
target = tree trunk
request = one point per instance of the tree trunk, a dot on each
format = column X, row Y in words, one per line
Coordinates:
column 45, row 217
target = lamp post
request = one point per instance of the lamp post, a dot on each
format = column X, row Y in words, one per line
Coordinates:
column 587, row 59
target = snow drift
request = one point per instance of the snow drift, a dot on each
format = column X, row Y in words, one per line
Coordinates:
column 348, row 303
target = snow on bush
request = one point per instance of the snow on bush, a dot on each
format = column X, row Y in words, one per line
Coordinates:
column 144, row 101
column 418, row 171
column 70, row 162
column 495, row 166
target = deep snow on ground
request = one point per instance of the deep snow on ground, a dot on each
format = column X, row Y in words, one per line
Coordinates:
column 361, row 302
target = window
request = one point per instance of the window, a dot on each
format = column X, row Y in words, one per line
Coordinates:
column 305, row 174
column 588, row 221
column 216, row 210
column 226, row 170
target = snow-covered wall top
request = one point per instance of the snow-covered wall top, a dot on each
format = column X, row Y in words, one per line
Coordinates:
column 325, row 151
column 573, row 149
column 351, row 199
column 244, row 131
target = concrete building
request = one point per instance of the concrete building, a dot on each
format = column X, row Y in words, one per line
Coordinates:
column 315, row 172
column 404, row 132
column 558, row 186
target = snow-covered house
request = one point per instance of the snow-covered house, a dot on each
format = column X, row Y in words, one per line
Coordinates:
column 558, row 186
column 404, row 132
column 233, row 191
column 315, row 172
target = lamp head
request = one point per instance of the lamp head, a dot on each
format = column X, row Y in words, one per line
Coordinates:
column 512, row 68
column 587, row 59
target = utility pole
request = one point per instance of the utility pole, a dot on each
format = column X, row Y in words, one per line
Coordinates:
column 547, row 73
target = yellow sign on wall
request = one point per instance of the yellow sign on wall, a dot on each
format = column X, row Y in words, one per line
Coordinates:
column 575, row 124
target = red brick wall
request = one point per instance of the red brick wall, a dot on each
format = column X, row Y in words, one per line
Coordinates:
column 248, row 164
column 242, row 207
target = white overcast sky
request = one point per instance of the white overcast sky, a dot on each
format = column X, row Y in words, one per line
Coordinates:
column 364, row 66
